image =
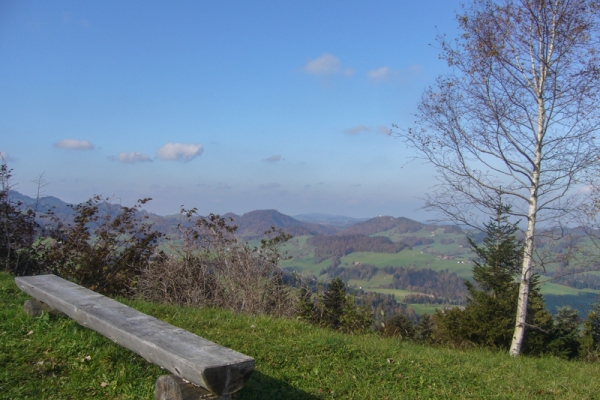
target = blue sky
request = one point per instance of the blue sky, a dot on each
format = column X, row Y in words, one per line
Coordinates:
column 220, row 105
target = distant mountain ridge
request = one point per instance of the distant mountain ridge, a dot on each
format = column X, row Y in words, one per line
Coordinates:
column 253, row 224
column 44, row 203
column 250, row 225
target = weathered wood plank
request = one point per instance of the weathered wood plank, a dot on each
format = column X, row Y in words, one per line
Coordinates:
column 202, row 362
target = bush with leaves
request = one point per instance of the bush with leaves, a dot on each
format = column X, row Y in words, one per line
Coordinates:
column 212, row 267
column 399, row 326
column 18, row 230
column 97, row 250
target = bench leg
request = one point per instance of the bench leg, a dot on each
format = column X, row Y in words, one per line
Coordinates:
column 34, row 308
column 172, row 387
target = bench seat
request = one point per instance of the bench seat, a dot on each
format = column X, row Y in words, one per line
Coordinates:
column 220, row 370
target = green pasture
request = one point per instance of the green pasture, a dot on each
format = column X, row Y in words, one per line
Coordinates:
column 52, row 357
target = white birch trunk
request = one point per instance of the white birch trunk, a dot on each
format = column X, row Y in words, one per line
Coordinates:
column 523, row 301
column 526, row 271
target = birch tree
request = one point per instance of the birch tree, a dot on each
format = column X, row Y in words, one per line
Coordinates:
column 516, row 118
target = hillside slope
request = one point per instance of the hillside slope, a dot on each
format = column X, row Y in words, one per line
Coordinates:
column 55, row 358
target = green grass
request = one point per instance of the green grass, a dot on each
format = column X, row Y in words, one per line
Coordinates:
column 46, row 358
column 430, row 309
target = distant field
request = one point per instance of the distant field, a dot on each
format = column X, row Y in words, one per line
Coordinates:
column 450, row 256
column 430, row 309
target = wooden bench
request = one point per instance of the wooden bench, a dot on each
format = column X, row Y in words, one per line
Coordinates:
column 213, row 370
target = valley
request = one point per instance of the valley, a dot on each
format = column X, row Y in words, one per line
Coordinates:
column 326, row 246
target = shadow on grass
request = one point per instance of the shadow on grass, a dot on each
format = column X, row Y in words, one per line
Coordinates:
column 261, row 387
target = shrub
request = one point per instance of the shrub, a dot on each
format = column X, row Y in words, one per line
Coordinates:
column 18, row 230
column 399, row 325
column 97, row 250
column 213, row 268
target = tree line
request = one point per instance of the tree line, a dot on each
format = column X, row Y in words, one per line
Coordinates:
column 438, row 287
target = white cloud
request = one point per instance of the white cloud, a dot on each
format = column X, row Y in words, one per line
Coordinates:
column 273, row 158
column 357, row 129
column 179, row 151
column 74, row 144
column 4, row 157
column 380, row 75
column 327, row 64
column 131, row 157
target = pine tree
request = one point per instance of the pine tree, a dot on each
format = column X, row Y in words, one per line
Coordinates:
column 489, row 316
column 590, row 341
column 564, row 335
column 424, row 331
column 334, row 308
column 334, row 300
column 492, row 304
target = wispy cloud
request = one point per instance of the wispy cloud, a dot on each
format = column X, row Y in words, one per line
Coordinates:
column 384, row 130
column 179, row 151
column 327, row 64
column 4, row 157
column 74, row 144
column 131, row 157
column 380, row 75
column 414, row 70
column 270, row 186
column 386, row 74
column 273, row 158
column 357, row 129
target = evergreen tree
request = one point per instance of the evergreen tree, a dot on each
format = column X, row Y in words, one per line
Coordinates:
column 564, row 336
column 334, row 300
column 489, row 316
column 334, row 308
column 306, row 307
column 590, row 341
column 425, row 329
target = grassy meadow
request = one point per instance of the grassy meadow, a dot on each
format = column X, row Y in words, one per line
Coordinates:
column 449, row 245
column 52, row 357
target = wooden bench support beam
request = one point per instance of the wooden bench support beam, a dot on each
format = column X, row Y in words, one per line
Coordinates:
column 172, row 387
column 220, row 370
column 34, row 308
